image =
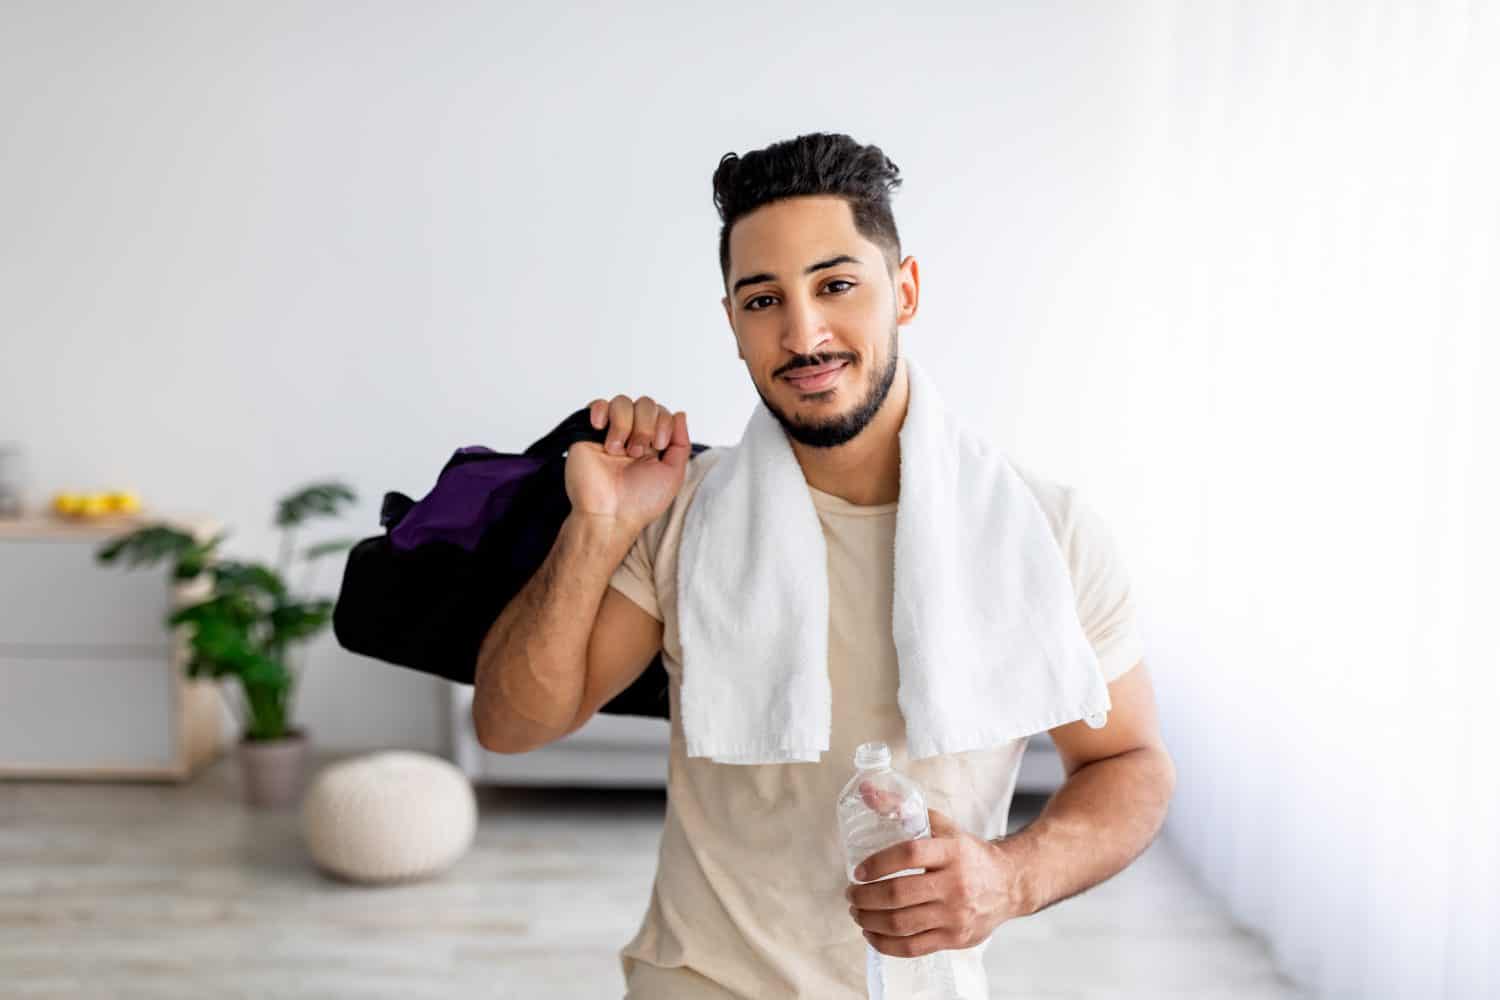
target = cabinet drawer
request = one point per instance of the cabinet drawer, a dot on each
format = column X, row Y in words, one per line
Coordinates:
column 100, row 712
column 53, row 593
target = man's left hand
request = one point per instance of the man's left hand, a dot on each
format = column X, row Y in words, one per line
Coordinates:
column 970, row 887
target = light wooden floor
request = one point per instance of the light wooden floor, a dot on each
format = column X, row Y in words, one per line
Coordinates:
column 163, row 891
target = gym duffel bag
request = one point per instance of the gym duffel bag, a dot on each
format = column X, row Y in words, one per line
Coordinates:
column 424, row 593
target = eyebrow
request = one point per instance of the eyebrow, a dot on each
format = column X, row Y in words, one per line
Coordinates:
column 755, row 279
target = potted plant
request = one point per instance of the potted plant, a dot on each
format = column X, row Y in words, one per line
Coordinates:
column 246, row 628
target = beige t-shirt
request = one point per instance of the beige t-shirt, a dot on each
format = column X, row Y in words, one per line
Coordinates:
column 748, row 899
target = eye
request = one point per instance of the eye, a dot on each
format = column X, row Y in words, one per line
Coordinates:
column 750, row 305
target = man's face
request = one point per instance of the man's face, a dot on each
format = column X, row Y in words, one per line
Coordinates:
column 807, row 291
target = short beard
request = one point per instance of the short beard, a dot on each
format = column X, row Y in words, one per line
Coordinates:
column 846, row 427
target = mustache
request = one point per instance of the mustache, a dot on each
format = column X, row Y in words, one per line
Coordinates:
column 816, row 362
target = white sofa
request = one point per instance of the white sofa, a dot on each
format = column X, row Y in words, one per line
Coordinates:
column 629, row 751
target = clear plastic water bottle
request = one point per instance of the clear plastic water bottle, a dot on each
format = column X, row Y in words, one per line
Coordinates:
column 880, row 807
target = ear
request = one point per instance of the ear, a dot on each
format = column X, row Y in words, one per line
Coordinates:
column 907, row 283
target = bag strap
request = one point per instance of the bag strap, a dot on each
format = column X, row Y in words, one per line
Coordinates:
column 575, row 427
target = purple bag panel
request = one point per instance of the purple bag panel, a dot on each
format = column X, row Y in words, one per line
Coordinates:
column 467, row 498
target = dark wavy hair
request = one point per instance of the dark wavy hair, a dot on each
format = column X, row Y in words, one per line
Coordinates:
column 817, row 163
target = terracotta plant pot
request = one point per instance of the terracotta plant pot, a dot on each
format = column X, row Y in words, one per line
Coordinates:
column 273, row 771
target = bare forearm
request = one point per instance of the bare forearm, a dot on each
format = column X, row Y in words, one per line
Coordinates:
column 1096, row 824
column 529, row 679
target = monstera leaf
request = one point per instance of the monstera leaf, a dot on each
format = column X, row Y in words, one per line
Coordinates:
column 319, row 499
column 153, row 543
column 328, row 548
column 247, row 578
column 232, row 608
column 298, row 620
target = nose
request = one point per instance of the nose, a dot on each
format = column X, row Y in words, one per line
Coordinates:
column 806, row 330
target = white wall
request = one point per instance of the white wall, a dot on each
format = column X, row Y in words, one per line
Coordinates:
column 247, row 246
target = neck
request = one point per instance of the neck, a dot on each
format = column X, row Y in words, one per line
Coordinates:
column 866, row 470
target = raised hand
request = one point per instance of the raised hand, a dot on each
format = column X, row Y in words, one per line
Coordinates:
column 635, row 474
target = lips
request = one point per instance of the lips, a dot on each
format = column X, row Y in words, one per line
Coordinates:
column 814, row 379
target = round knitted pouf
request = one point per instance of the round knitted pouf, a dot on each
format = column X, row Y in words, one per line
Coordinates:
column 389, row 816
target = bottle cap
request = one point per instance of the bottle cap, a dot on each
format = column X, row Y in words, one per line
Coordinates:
column 868, row 755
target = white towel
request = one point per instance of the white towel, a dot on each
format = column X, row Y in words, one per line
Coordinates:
column 987, row 636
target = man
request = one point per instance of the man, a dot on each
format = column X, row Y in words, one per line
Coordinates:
column 751, row 897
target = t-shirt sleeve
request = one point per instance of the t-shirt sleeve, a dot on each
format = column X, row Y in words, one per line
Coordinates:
column 635, row 577
column 1102, row 588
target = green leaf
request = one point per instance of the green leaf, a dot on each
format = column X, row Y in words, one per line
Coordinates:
column 196, row 559
column 223, row 642
column 231, row 575
column 232, row 609
column 146, row 546
column 328, row 548
column 318, row 499
column 202, row 666
column 189, row 565
column 290, row 622
column 267, row 685
column 264, row 674
column 155, row 542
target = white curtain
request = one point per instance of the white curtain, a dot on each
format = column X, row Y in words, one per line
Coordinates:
column 1309, row 314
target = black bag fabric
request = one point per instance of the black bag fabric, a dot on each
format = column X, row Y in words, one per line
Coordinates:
column 429, row 607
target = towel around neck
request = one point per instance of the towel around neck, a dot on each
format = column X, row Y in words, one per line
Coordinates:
column 984, row 620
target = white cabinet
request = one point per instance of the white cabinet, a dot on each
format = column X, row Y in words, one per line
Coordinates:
column 609, row 750
column 630, row 751
column 91, row 683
